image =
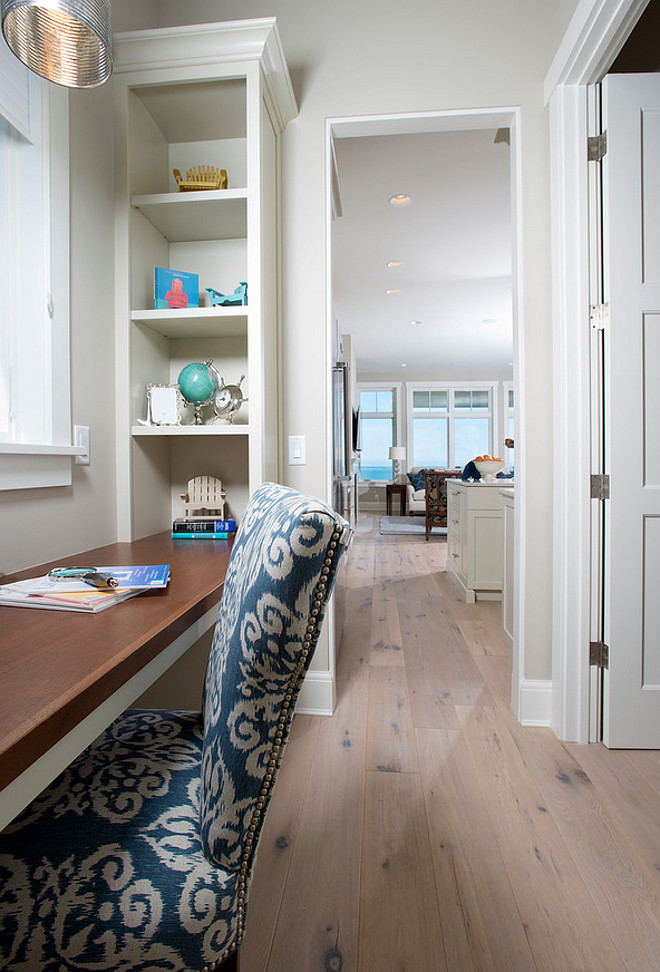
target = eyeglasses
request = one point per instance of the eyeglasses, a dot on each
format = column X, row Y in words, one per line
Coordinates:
column 88, row 575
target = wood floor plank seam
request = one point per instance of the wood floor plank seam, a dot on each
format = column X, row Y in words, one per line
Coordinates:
column 433, row 832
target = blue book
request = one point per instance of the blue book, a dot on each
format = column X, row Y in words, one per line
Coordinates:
column 222, row 535
column 209, row 525
column 175, row 289
column 143, row 577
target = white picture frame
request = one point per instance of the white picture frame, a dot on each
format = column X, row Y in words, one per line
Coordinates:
column 163, row 405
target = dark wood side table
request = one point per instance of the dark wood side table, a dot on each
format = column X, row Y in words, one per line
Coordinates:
column 392, row 489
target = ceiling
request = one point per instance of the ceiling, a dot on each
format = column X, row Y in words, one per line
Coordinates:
column 454, row 241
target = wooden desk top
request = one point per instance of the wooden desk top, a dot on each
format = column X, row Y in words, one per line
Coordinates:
column 57, row 666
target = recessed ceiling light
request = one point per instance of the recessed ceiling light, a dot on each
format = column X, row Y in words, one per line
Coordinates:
column 417, row 323
column 395, row 263
column 489, row 320
column 393, row 291
column 400, row 199
column 404, row 365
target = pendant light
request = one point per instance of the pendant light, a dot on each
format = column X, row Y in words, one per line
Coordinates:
column 65, row 41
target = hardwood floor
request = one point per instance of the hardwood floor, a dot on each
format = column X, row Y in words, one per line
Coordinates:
column 422, row 829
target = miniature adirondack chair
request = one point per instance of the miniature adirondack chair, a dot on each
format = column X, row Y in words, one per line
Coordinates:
column 201, row 177
column 205, row 497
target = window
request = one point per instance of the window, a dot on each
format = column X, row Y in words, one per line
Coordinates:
column 377, row 417
column 449, row 425
column 35, row 422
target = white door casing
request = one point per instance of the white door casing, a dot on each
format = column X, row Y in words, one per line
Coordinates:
column 631, row 271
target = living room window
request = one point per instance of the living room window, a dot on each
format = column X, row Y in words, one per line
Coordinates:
column 449, row 424
column 377, row 430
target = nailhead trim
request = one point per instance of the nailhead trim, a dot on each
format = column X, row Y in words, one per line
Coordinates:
column 275, row 757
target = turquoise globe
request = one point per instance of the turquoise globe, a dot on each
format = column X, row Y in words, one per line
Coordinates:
column 198, row 383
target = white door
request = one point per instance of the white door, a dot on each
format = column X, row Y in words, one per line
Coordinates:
column 631, row 275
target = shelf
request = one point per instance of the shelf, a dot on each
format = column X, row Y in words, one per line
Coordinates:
column 194, row 430
column 197, row 322
column 184, row 217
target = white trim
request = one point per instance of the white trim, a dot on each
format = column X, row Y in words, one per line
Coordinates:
column 317, row 695
column 571, row 329
column 596, row 34
column 26, row 464
column 535, row 702
column 15, row 89
column 466, row 120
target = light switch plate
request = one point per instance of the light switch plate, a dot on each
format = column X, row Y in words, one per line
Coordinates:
column 81, row 438
column 297, row 450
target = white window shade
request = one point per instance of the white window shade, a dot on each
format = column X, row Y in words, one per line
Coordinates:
column 14, row 91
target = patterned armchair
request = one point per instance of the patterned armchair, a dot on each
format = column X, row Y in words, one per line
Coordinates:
column 435, row 482
column 139, row 856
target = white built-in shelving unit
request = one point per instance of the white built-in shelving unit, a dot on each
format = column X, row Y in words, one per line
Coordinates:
column 208, row 94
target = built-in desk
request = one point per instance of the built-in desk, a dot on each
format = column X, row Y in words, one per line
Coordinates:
column 64, row 676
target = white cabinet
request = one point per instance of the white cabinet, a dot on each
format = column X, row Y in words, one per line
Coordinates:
column 475, row 538
column 218, row 95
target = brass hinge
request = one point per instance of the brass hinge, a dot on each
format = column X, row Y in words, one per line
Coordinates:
column 600, row 486
column 599, row 654
column 596, row 147
column 599, row 315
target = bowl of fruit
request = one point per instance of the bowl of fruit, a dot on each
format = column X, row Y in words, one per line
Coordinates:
column 489, row 466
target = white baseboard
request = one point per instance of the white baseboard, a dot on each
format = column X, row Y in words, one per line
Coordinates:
column 317, row 695
column 535, row 699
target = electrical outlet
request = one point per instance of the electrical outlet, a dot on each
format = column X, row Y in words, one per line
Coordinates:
column 81, row 438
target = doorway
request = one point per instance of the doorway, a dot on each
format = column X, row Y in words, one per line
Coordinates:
column 389, row 130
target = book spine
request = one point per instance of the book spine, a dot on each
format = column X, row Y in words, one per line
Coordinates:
column 221, row 535
column 204, row 526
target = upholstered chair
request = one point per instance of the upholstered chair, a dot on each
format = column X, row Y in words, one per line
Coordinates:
column 435, row 485
column 139, row 856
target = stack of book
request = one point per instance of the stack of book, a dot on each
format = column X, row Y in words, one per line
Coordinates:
column 76, row 595
column 203, row 529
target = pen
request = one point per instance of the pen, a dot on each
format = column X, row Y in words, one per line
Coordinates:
column 101, row 581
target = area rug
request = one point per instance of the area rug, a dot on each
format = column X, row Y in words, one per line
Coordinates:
column 408, row 526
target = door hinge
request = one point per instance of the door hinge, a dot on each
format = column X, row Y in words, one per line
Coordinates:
column 596, row 147
column 599, row 315
column 600, row 486
column 599, row 654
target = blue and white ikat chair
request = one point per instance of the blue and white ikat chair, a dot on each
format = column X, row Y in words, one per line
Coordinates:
column 139, row 856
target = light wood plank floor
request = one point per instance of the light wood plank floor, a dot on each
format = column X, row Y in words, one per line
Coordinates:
column 421, row 829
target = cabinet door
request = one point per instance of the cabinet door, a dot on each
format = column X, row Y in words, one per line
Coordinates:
column 484, row 563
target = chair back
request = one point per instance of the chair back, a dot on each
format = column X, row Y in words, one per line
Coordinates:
column 281, row 571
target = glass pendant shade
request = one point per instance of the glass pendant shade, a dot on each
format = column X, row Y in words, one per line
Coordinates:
column 65, row 41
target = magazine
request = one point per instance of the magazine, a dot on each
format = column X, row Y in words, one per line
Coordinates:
column 75, row 595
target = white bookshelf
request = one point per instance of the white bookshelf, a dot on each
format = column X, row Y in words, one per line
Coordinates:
column 212, row 94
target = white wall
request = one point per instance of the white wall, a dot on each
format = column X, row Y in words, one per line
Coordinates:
column 38, row 525
column 346, row 59
column 349, row 59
